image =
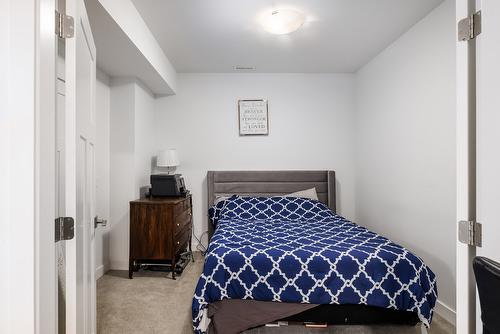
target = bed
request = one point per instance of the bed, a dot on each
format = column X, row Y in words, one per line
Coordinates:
column 273, row 257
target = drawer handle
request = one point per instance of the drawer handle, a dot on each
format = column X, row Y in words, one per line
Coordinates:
column 178, row 242
column 190, row 213
column 178, row 225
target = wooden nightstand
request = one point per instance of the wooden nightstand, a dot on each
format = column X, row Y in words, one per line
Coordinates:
column 160, row 230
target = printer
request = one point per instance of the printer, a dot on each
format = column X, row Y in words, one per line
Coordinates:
column 167, row 185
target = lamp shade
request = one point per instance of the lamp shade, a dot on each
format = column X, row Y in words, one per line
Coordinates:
column 168, row 158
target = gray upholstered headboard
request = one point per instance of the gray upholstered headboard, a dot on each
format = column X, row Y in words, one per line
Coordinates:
column 270, row 183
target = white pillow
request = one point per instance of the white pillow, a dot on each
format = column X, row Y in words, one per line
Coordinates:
column 220, row 199
column 308, row 193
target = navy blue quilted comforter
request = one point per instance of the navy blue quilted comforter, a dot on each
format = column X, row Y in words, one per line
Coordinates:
column 297, row 250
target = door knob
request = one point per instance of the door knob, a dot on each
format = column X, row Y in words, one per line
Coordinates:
column 99, row 221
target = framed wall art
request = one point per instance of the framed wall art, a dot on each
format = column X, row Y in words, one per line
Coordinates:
column 253, row 117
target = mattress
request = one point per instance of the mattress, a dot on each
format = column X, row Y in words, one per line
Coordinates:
column 295, row 250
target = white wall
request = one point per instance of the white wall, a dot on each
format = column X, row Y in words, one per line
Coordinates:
column 405, row 147
column 101, row 242
column 131, row 147
column 145, row 144
column 311, row 127
column 4, row 165
column 122, row 164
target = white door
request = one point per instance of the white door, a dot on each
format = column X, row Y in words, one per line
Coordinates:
column 80, row 98
column 488, row 132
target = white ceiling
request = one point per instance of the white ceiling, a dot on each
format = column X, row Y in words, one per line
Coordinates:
column 338, row 36
column 118, row 55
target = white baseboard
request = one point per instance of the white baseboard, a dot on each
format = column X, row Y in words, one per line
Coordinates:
column 118, row 265
column 101, row 270
column 446, row 312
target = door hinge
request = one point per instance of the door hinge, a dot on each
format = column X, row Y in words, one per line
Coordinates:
column 65, row 228
column 65, row 25
column 469, row 27
column 470, row 233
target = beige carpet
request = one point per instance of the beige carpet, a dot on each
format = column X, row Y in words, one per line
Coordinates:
column 152, row 303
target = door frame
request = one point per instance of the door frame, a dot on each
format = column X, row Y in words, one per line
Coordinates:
column 45, row 167
column 466, row 171
column 70, row 168
column 29, row 225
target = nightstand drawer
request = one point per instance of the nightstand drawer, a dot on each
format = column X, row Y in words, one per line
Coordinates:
column 182, row 238
column 181, row 221
column 182, row 206
column 187, row 204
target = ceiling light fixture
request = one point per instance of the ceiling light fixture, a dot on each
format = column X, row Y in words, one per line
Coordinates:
column 282, row 21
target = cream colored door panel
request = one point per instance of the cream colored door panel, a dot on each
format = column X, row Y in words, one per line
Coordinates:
column 488, row 129
column 488, row 132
